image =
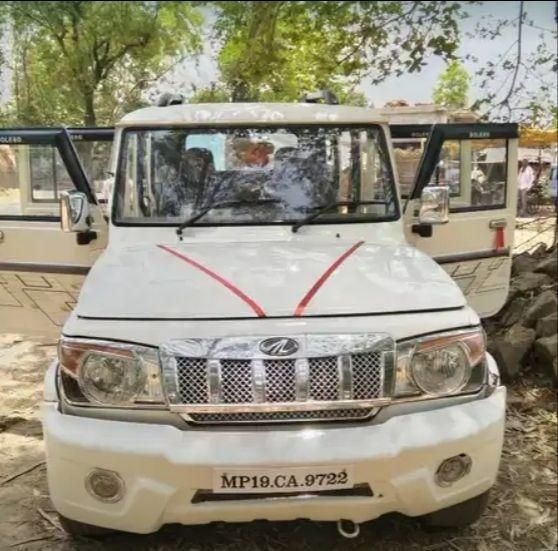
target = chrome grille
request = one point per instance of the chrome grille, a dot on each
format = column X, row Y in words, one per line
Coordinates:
column 191, row 376
column 232, row 380
column 367, row 380
column 283, row 416
column 236, row 381
column 280, row 380
column 324, row 378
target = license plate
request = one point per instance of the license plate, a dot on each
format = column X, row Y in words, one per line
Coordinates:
column 282, row 479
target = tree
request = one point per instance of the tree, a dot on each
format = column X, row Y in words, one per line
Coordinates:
column 519, row 86
column 452, row 88
column 214, row 93
column 220, row 93
column 83, row 62
column 278, row 50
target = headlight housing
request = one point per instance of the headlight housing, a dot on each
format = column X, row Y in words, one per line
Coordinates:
column 104, row 373
column 441, row 365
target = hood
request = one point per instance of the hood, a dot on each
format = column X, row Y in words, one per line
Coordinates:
column 264, row 279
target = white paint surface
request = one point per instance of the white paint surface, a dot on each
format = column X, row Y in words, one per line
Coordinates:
column 163, row 467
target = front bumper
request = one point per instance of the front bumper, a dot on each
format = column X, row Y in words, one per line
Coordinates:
column 163, row 467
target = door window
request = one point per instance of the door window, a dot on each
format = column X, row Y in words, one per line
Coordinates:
column 10, row 201
column 408, row 154
column 33, row 176
column 475, row 172
column 47, row 174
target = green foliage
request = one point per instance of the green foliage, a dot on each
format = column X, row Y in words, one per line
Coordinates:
column 278, row 50
column 213, row 94
column 221, row 94
column 85, row 62
column 452, row 88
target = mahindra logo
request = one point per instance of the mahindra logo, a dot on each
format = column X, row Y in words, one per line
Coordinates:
column 279, row 346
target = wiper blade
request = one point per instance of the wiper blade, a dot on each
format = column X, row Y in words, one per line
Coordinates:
column 326, row 208
column 219, row 205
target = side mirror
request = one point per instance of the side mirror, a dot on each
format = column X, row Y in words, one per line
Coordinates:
column 74, row 212
column 434, row 205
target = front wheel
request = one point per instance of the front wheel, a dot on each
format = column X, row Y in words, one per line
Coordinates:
column 458, row 516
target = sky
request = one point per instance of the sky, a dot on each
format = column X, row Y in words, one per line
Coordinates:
column 413, row 88
column 417, row 88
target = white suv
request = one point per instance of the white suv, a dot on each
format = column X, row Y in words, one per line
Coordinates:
column 272, row 331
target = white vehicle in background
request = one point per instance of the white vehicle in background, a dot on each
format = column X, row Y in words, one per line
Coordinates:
column 266, row 329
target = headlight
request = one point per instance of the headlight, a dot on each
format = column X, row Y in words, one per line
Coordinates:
column 109, row 374
column 441, row 365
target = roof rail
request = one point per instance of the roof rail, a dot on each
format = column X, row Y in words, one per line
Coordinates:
column 322, row 96
column 169, row 98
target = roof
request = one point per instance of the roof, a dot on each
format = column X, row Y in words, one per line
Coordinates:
column 426, row 113
column 250, row 113
column 498, row 155
column 537, row 137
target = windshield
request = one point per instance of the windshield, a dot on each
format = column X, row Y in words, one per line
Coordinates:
column 275, row 175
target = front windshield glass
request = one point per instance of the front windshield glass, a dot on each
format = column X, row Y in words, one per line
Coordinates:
column 276, row 175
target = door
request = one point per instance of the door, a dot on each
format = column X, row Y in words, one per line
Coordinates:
column 478, row 162
column 41, row 267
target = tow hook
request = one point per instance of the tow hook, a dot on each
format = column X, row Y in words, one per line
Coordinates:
column 348, row 529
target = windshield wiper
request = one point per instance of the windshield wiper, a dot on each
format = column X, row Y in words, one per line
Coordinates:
column 326, row 208
column 219, row 205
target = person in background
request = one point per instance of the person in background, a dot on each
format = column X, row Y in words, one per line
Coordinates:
column 554, row 185
column 477, row 185
column 257, row 155
column 525, row 180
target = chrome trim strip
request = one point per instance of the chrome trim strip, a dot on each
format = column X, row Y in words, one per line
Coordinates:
column 321, row 406
column 316, row 345
column 258, row 381
column 270, row 407
column 214, row 381
column 388, row 375
column 345, row 366
column 169, row 376
column 302, row 370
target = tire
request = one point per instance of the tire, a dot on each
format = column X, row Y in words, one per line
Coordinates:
column 76, row 528
column 457, row 516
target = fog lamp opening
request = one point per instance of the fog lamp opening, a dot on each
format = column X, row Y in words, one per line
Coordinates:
column 453, row 469
column 105, row 485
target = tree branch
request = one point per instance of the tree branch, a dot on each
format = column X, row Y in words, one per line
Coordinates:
column 364, row 39
column 111, row 61
column 506, row 100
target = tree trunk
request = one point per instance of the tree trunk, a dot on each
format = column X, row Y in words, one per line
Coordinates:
column 240, row 91
column 86, row 149
column 89, row 118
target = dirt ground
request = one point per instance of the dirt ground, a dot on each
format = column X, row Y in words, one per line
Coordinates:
column 521, row 513
column 532, row 231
